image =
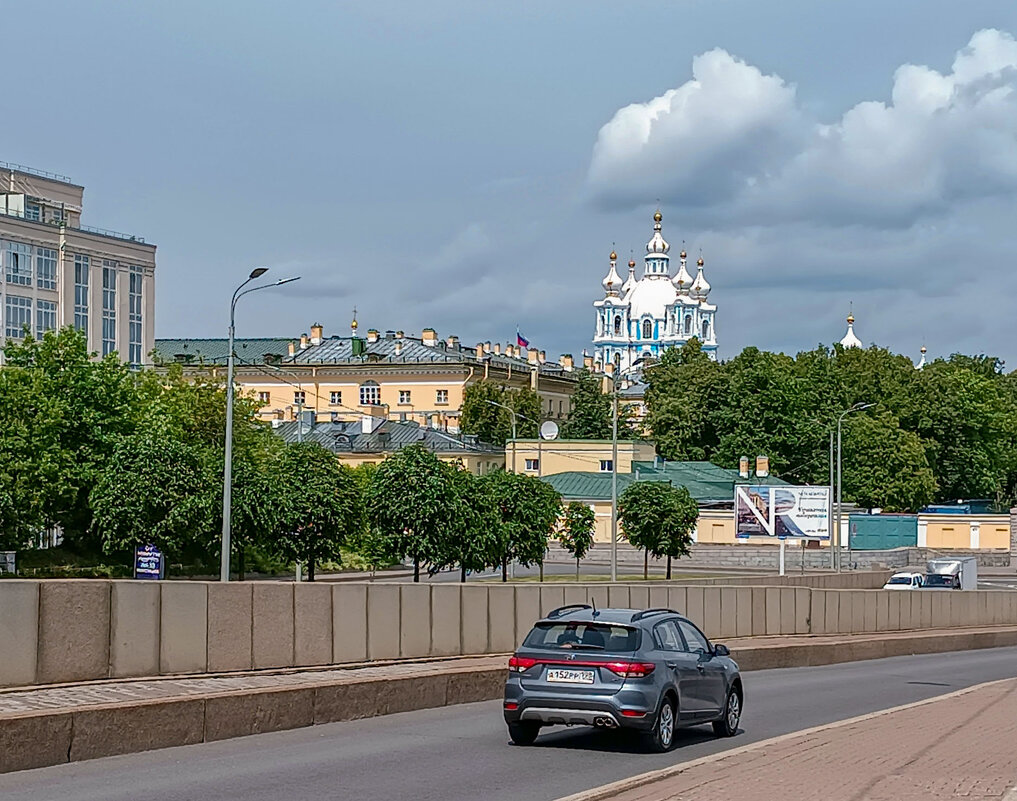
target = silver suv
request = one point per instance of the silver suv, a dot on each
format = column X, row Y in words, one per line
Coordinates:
column 650, row 670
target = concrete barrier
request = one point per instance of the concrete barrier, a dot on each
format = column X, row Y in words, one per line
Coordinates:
column 84, row 630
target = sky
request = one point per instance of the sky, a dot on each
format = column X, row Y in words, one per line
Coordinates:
column 469, row 166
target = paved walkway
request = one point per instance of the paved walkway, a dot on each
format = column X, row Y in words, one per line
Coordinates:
column 961, row 746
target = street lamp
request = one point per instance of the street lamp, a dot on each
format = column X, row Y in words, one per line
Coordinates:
column 856, row 408
column 224, row 560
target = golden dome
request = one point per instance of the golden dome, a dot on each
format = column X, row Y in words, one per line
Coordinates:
column 657, row 216
column 924, row 349
column 354, row 325
column 613, row 256
column 632, row 262
column 851, row 319
column 683, row 255
column 700, row 262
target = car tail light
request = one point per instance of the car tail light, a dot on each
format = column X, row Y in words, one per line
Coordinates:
column 631, row 670
column 511, row 706
column 633, row 713
column 520, row 664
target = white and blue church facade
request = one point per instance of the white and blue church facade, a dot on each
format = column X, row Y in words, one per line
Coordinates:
column 643, row 318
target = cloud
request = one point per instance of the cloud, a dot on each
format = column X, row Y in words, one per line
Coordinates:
column 737, row 146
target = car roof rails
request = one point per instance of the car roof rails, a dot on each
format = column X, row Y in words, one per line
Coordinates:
column 561, row 610
column 652, row 612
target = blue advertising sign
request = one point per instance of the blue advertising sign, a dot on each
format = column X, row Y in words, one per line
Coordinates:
column 149, row 563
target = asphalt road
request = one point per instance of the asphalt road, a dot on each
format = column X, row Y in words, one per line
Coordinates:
column 461, row 753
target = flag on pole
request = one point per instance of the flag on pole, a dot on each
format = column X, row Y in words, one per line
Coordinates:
column 522, row 341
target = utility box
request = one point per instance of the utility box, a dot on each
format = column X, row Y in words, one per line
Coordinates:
column 953, row 573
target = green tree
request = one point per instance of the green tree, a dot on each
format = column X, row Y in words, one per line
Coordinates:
column 589, row 409
column 885, row 466
column 658, row 519
column 470, row 539
column 480, row 416
column 527, row 511
column 408, row 503
column 321, row 505
column 576, row 532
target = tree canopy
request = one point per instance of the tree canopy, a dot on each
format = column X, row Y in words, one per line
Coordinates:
column 487, row 412
column 658, row 519
column 577, row 529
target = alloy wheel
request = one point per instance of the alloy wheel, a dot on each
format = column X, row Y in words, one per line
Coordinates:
column 734, row 711
column 666, row 724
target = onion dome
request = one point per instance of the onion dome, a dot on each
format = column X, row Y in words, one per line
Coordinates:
column 630, row 282
column 700, row 289
column 657, row 243
column 850, row 340
column 682, row 281
column 612, row 281
column 921, row 362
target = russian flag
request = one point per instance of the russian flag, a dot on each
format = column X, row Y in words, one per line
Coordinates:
column 522, row 341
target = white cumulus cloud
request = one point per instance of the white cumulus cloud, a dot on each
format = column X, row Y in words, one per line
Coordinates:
column 739, row 146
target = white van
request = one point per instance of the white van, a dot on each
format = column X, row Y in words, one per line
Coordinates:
column 905, row 581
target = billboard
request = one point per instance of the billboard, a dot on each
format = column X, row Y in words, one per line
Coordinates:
column 801, row 512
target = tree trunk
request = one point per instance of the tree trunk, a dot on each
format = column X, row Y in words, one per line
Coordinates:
column 541, row 572
column 462, row 573
column 416, row 568
column 669, row 568
column 504, row 569
column 240, row 562
column 310, row 569
column 577, row 568
column 646, row 565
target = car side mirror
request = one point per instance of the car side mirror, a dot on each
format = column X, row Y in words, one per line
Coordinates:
column 721, row 650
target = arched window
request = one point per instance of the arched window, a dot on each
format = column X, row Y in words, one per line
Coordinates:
column 688, row 323
column 647, row 329
column 706, row 330
column 370, row 393
column 617, row 359
column 617, row 325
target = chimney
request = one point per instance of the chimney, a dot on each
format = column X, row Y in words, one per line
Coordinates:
column 304, row 342
column 316, row 333
column 400, row 334
column 762, row 466
column 566, row 362
column 743, row 467
column 587, row 362
column 542, row 358
column 398, row 347
column 372, row 335
column 480, row 350
column 532, row 356
column 517, row 351
column 497, row 349
column 452, row 342
column 429, row 337
column 368, row 424
column 292, row 347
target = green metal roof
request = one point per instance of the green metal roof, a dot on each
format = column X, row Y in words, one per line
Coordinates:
column 215, row 351
column 705, row 481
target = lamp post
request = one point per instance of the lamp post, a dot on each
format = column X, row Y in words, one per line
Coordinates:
column 224, row 560
column 515, row 414
column 856, row 408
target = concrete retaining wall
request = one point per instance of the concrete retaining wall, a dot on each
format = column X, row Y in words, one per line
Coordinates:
column 66, row 631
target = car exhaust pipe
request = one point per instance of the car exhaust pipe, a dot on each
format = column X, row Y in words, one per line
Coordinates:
column 605, row 723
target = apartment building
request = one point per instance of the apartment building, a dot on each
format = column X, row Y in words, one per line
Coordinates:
column 55, row 271
column 388, row 375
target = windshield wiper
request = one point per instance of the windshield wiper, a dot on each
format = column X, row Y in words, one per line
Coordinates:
column 584, row 646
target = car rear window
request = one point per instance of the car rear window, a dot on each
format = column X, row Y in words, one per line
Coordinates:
column 583, row 635
column 900, row 580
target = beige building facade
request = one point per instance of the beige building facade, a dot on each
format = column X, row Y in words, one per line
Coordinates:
column 420, row 379
column 546, row 457
column 56, row 272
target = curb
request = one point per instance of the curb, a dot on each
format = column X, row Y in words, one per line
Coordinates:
column 608, row 791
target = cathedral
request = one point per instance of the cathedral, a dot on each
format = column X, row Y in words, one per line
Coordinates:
column 639, row 319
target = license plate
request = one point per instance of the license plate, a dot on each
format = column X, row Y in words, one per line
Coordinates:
column 561, row 676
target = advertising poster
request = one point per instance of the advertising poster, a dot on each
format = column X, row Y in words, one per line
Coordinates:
column 149, row 563
column 801, row 512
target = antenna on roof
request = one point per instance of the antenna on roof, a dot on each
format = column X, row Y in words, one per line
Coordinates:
column 593, row 602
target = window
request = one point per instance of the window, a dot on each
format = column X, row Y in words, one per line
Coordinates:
column 264, row 397
column 695, row 640
column 109, row 307
column 370, row 394
column 45, row 268
column 19, row 314
column 566, row 634
column 647, row 329
column 56, row 215
column 335, row 397
column 299, row 397
column 19, row 263
column 561, row 408
column 45, row 317
column 441, row 396
column 606, row 466
column 533, row 464
column 706, row 330
column 81, row 292
column 134, row 353
column 404, row 396
column 688, row 323
column 617, row 326
column 667, row 636
column 33, row 211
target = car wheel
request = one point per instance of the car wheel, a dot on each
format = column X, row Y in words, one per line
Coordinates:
column 661, row 737
column 523, row 732
column 727, row 726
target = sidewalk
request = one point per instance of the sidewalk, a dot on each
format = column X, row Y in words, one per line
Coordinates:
column 955, row 746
